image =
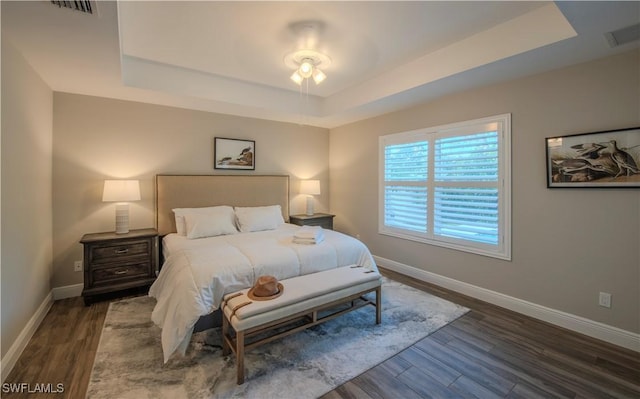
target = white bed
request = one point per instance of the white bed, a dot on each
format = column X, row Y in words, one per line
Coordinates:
column 197, row 273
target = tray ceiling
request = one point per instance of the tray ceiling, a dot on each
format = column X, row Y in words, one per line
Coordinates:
column 228, row 57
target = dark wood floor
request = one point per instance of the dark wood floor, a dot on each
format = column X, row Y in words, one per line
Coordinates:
column 488, row 353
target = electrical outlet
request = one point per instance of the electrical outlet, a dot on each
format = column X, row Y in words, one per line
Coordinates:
column 77, row 266
column 605, row 299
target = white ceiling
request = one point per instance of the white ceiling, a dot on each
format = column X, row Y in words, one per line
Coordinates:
column 228, row 57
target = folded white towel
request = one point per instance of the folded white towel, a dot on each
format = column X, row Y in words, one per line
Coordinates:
column 307, row 241
column 310, row 232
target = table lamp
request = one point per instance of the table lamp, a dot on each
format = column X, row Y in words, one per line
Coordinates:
column 121, row 191
column 310, row 188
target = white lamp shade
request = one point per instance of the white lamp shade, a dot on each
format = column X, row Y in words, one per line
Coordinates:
column 310, row 187
column 121, row 191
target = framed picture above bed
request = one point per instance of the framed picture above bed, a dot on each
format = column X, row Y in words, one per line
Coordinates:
column 234, row 154
column 607, row 159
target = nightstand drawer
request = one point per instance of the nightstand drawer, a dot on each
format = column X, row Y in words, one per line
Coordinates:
column 108, row 253
column 108, row 275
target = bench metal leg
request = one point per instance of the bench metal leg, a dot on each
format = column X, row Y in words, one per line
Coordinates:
column 226, row 349
column 378, row 305
column 238, row 348
column 240, row 356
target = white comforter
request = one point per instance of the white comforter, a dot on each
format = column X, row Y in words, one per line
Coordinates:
column 198, row 273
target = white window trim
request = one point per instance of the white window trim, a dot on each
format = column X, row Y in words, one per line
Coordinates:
column 503, row 249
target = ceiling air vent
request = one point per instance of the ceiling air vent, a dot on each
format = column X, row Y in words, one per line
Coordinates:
column 623, row 36
column 85, row 6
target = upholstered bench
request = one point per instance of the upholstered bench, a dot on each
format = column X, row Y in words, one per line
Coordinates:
column 305, row 301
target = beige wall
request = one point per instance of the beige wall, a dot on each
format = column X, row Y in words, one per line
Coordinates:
column 27, row 108
column 97, row 138
column 568, row 244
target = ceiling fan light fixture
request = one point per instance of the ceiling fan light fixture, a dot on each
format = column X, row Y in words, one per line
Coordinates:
column 318, row 76
column 306, row 63
column 306, row 68
column 297, row 78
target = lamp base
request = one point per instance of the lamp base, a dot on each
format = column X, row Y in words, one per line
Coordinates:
column 310, row 210
column 122, row 218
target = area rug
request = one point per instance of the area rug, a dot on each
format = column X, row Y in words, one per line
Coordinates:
column 307, row 364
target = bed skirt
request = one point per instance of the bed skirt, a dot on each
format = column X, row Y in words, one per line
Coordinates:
column 212, row 320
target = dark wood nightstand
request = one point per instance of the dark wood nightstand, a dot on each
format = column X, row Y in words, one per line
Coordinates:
column 325, row 220
column 115, row 262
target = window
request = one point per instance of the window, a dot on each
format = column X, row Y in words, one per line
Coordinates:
column 449, row 186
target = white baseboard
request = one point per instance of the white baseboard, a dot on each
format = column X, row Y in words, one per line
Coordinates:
column 604, row 332
column 68, row 291
column 13, row 354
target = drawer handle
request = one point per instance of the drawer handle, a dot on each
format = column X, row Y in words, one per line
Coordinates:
column 121, row 271
column 121, row 251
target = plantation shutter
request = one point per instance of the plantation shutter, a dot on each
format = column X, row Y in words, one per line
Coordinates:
column 449, row 186
column 405, row 191
column 466, row 187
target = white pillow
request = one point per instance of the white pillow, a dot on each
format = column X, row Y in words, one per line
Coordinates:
column 199, row 225
column 258, row 218
column 179, row 213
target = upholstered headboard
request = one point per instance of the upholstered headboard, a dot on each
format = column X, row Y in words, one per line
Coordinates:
column 193, row 191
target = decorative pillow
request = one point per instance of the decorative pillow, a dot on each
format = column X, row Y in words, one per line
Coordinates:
column 258, row 218
column 216, row 210
column 199, row 225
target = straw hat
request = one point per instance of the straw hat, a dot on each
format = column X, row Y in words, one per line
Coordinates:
column 265, row 288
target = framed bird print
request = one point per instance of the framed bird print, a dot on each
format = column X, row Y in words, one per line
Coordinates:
column 234, row 154
column 600, row 159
